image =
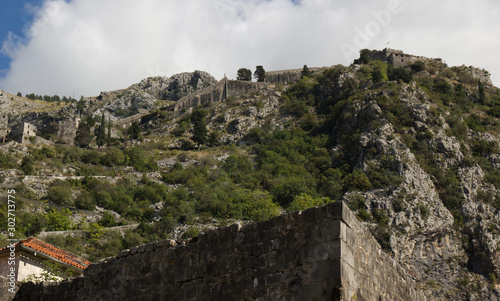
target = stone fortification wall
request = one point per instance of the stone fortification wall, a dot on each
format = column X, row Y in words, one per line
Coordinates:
column 217, row 93
column 211, row 94
column 238, row 88
column 287, row 77
column 125, row 123
column 320, row 254
column 226, row 88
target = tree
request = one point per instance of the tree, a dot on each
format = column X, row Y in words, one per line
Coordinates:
column 305, row 72
column 244, row 74
column 59, row 193
column 58, row 220
column 379, row 72
column 364, row 56
column 198, row 118
column 108, row 139
column 482, row 95
column 101, row 132
column 259, row 74
column 113, row 157
column 27, row 165
column 134, row 130
column 19, row 94
column 83, row 135
column 80, row 106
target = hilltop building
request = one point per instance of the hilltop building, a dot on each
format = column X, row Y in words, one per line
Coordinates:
column 30, row 256
column 398, row 58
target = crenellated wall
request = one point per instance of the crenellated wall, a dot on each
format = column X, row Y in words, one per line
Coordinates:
column 319, row 254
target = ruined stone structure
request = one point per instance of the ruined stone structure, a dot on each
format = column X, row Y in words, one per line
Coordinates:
column 216, row 93
column 481, row 74
column 321, row 253
column 22, row 132
column 67, row 130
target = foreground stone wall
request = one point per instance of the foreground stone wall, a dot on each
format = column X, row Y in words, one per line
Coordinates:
column 320, row 254
column 7, row 292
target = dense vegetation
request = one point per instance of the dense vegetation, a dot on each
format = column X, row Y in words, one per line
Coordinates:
column 314, row 160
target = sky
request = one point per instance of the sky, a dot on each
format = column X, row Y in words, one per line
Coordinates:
column 83, row 47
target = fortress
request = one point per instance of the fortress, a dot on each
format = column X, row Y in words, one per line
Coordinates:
column 322, row 253
column 398, row 58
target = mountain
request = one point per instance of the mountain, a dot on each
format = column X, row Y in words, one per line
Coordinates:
column 410, row 144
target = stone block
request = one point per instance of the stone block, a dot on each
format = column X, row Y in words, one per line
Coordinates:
column 272, row 279
column 265, row 225
column 328, row 270
column 313, row 291
column 311, row 215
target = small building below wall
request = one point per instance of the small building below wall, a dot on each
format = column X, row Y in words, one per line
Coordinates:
column 31, row 257
column 22, row 132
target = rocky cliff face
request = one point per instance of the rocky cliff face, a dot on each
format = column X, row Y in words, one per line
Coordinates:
column 453, row 256
column 437, row 209
column 145, row 95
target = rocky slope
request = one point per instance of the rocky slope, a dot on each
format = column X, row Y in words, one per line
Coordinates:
column 413, row 150
column 148, row 94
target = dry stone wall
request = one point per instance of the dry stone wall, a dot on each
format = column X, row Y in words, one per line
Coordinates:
column 319, row 254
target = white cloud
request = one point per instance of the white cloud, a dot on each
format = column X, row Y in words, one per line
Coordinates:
column 87, row 46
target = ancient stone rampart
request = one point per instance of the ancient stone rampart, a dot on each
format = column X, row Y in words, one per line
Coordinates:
column 211, row 94
column 320, row 254
column 291, row 76
column 216, row 93
column 127, row 122
column 226, row 88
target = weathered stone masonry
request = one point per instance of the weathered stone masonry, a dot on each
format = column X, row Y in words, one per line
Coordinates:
column 320, row 254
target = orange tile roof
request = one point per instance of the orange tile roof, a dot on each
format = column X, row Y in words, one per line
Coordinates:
column 54, row 252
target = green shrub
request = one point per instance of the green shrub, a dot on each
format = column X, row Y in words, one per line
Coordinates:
column 304, row 201
column 58, row 220
column 190, row 233
column 381, row 217
column 60, row 195
column 107, row 220
column 357, row 180
column 424, row 211
column 113, row 157
column 27, row 165
column 85, row 201
column 256, row 205
column 7, row 161
column 363, row 214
